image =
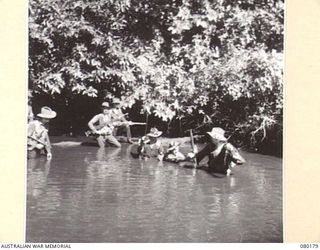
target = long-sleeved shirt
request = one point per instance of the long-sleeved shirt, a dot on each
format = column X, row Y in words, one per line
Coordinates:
column 220, row 159
column 37, row 136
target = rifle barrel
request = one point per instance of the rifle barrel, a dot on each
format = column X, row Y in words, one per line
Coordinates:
column 35, row 139
column 193, row 148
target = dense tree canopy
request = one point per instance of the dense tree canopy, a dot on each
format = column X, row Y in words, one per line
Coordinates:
column 218, row 62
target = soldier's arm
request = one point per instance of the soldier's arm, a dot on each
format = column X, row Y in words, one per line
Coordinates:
column 91, row 123
column 234, row 154
column 48, row 143
column 160, row 152
column 123, row 117
column 31, row 128
column 203, row 153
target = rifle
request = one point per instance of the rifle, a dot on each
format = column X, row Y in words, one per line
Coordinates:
column 36, row 145
column 117, row 124
column 193, row 148
column 130, row 123
column 106, row 128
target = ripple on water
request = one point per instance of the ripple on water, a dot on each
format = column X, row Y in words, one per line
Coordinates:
column 90, row 195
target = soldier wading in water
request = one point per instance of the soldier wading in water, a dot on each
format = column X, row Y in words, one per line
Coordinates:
column 102, row 127
column 38, row 138
column 222, row 155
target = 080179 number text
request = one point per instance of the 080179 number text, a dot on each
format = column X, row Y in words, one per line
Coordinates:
column 309, row 245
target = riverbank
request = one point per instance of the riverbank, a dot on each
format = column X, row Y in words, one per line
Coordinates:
column 69, row 141
column 89, row 141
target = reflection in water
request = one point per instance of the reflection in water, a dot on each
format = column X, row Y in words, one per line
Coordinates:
column 87, row 194
column 38, row 170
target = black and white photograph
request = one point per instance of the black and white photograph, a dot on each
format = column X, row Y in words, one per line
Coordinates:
column 155, row 121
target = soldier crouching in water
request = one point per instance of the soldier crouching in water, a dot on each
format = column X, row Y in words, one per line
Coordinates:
column 222, row 155
column 38, row 139
column 149, row 146
column 173, row 153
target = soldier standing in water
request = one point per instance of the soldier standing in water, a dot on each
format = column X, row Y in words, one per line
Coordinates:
column 118, row 117
column 101, row 126
column 38, row 138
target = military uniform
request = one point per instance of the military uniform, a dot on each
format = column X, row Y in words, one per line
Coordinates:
column 104, row 123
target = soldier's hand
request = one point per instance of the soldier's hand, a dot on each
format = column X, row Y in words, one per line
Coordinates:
column 49, row 156
column 160, row 157
column 195, row 150
column 191, row 155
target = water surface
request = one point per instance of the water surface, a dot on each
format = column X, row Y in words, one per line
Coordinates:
column 86, row 194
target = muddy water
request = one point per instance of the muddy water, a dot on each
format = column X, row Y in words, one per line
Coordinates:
column 85, row 194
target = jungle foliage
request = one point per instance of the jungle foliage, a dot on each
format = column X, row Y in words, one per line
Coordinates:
column 191, row 63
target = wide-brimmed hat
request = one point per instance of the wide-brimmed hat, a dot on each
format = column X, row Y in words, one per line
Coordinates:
column 105, row 105
column 115, row 100
column 218, row 134
column 173, row 145
column 47, row 113
column 154, row 132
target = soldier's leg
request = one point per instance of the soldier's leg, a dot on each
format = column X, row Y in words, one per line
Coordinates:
column 112, row 140
column 115, row 130
column 129, row 136
column 101, row 141
column 32, row 154
column 128, row 132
